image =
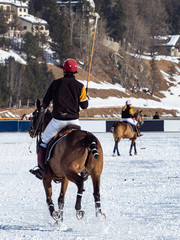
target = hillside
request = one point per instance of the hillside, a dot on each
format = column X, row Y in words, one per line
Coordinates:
column 167, row 83
column 107, row 99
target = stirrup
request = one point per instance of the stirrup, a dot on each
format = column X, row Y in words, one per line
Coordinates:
column 39, row 173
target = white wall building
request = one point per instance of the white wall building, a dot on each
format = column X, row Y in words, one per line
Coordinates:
column 16, row 15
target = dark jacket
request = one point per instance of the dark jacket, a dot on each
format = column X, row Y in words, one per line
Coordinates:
column 156, row 116
column 67, row 95
column 127, row 112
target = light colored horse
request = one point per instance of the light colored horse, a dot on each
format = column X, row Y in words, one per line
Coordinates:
column 124, row 130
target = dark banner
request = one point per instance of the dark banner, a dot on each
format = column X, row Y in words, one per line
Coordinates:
column 148, row 126
column 14, row 126
column 153, row 125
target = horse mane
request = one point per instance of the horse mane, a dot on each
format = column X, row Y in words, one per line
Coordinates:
column 137, row 112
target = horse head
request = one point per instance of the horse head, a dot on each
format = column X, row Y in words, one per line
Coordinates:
column 39, row 121
column 36, row 126
column 138, row 117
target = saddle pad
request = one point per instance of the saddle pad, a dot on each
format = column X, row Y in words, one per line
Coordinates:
column 58, row 137
column 52, row 146
column 131, row 126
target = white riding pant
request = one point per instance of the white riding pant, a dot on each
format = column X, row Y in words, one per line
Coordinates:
column 129, row 120
column 54, row 127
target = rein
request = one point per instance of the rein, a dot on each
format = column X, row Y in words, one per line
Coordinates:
column 39, row 124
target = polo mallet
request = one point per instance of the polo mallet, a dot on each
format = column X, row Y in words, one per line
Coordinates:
column 96, row 15
column 139, row 137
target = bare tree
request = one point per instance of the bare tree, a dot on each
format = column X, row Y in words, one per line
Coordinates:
column 155, row 18
column 144, row 21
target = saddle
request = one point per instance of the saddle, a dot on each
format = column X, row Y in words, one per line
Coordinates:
column 68, row 129
column 50, row 147
column 63, row 132
column 135, row 129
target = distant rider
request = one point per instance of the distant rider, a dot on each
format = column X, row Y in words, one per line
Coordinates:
column 128, row 116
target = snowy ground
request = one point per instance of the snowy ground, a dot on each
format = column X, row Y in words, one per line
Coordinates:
column 140, row 195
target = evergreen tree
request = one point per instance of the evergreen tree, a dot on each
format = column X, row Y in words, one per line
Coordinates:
column 30, row 45
column 4, row 42
column 31, row 8
column 37, row 80
column 3, row 24
column 14, row 79
column 35, row 6
column 4, row 89
column 116, row 21
column 103, row 7
column 176, row 22
column 49, row 11
column 58, row 26
column 61, row 40
column 114, row 14
column 173, row 9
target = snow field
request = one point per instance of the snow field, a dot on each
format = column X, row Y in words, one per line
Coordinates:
column 139, row 195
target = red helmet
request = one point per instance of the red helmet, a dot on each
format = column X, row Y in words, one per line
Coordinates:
column 69, row 65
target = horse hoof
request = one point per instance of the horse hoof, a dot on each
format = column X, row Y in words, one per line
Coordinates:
column 103, row 215
column 100, row 214
column 80, row 214
column 56, row 215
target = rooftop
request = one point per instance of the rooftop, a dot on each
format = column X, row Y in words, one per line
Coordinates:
column 14, row 2
column 33, row 19
column 173, row 40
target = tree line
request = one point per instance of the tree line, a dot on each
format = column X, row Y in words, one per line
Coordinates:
column 23, row 84
column 133, row 23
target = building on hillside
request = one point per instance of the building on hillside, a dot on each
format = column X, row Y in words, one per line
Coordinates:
column 33, row 24
column 174, row 45
column 169, row 46
column 74, row 6
column 64, row 4
column 16, row 15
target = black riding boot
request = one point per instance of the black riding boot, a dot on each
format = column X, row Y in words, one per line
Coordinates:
column 138, row 131
column 39, row 172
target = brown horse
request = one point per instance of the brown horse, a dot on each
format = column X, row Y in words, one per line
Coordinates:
column 124, row 130
column 75, row 152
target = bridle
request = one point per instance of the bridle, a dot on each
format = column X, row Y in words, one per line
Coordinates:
column 138, row 118
column 36, row 127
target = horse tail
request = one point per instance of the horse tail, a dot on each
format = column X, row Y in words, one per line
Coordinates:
column 90, row 142
column 112, row 129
